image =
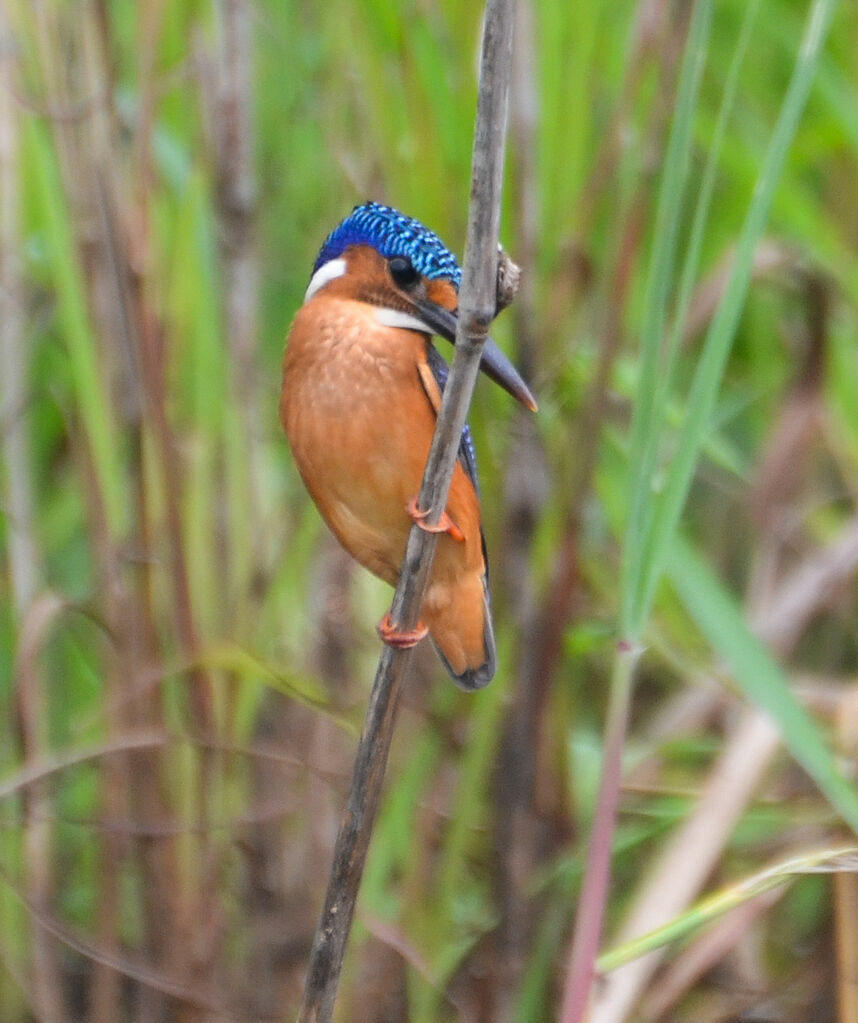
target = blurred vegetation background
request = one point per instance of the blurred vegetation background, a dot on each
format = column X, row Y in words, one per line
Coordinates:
column 185, row 654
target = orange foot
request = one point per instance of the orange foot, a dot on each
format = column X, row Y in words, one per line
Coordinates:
column 400, row 639
column 445, row 523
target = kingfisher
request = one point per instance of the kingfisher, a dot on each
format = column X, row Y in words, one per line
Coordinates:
column 362, row 386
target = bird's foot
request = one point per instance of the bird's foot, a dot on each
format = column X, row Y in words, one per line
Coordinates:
column 400, row 639
column 445, row 523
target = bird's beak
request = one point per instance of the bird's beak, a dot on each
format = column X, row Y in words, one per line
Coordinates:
column 494, row 363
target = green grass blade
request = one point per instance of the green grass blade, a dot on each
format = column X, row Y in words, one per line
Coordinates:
column 647, row 419
column 731, row 896
column 758, row 675
column 691, row 263
column 85, row 361
column 719, row 339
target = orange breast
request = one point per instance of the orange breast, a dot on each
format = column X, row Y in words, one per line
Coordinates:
column 360, row 424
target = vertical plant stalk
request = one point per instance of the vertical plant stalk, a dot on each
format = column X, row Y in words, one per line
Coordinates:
column 235, row 199
column 182, row 879
column 109, row 294
column 236, row 190
column 520, row 839
column 594, row 893
column 845, row 894
column 18, row 498
column 116, row 264
column 477, row 305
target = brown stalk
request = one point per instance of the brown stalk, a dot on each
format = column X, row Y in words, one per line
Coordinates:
column 132, row 782
column 226, row 101
column 525, row 492
column 236, row 194
column 18, row 488
column 845, row 894
column 109, row 306
column 477, row 306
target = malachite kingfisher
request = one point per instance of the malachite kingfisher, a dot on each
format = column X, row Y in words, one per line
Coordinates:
column 362, row 385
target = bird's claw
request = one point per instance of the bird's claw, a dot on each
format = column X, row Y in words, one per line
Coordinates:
column 444, row 525
column 400, row 639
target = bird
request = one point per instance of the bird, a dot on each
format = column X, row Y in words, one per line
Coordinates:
column 362, row 386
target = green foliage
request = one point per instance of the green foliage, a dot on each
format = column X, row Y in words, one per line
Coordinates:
column 177, row 730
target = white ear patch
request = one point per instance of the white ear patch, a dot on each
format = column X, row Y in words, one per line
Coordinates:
column 396, row 318
column 327, row 272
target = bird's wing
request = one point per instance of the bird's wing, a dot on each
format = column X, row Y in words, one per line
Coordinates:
column 433, row 375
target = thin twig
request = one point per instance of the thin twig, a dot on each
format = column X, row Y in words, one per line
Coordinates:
column 594, row 890
column 477, row 304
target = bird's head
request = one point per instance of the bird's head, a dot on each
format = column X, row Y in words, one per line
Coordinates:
column 380, row 256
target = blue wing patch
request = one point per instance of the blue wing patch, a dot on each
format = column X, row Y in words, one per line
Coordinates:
column 467, row 452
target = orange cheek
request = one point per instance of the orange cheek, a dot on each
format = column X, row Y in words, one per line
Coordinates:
column 443, row 293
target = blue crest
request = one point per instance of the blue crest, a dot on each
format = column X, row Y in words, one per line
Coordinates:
column 392, row 234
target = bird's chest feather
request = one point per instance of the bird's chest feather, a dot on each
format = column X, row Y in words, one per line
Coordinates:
column 354, row 409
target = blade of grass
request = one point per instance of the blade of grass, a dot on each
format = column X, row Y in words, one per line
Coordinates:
column 667, row 508
column 817, row 861
column 691, row 263
column 92, row 401
column 194, row 305
column 647, row 426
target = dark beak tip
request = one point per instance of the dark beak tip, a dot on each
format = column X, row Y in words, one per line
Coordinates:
column 494, row 363
column 498, row 367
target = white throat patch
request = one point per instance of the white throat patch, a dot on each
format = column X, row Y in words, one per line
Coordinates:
column 396, row 318
column 327, row 272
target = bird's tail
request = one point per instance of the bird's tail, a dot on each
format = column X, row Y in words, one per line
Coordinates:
column 471, row 665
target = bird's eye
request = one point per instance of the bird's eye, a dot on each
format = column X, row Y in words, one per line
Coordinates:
column 403, row 273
